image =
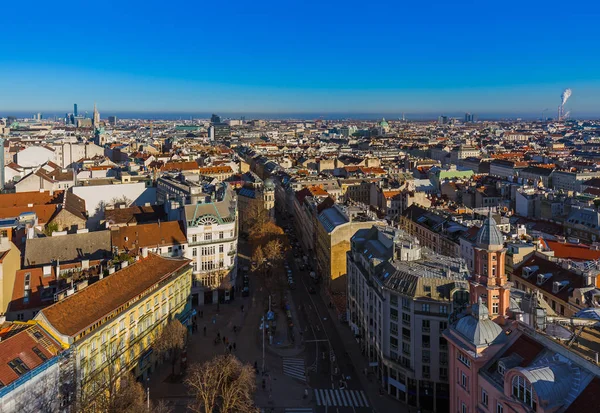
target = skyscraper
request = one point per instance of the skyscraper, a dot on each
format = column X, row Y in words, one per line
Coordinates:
column 215, row 119
column 75, row 109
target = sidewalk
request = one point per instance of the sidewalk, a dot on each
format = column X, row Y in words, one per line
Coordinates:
column 380, row 403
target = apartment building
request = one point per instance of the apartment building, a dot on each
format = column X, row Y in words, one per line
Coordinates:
column 256, row 197
column 212, row 233
column 108, row 328
column 400, row 297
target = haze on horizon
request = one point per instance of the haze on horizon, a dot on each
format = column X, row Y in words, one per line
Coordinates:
column 309, row 57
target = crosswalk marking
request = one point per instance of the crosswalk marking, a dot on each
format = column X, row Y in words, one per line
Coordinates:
column 362, row 393
column 341, row 398
column 294, row 367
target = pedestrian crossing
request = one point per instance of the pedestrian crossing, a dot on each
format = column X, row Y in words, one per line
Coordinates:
column 341, row 398
column 294, row 367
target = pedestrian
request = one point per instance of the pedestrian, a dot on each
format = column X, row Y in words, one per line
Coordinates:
column 204, row 331
column 234, row 329
column 234, row 346
column 242, row 308
column 230, row 347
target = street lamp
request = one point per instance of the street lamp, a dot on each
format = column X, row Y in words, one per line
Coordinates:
column 148, row 393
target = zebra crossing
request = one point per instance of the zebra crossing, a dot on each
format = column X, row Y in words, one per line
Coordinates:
column 294, row 367
column 341, row 398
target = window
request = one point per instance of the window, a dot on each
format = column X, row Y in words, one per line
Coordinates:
column 221, row 235
column 406, row 348
column 221, row 248
column 195, row 266
column 462, row 357
column 18, row 366
column 170, row 249
column 194, row 238
column 501, row 369
column 208, row 236
column 464, row 381
column 499, row 408
column 443, row 326
column 394, row 329
column 425, row 307
column 393, row 314
column 394, row 300
column 484, row 398
column 426, row 356
column 20, row 317
column 122, row 325
column 194, row 252
column 443, row 373
column 406, row 303
column 443, row 309
column 463, row 408
column 426, row 341
column 39, row 353
column 425, row 325
column 406, row 318
column 426, row 371
column 521, row 390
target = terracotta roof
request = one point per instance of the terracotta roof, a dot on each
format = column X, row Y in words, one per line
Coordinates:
column 572, row 251
column 34, row 197
column 134, row 214
column 79, row 311
column 43, row 212
column 131, row 238
column 317, row 191
column 226, row 169
column 390, row 194
column 21, row 345
column 181, row 166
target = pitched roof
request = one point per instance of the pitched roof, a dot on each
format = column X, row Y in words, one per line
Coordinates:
column 131, row 238
column 209, row 170
column 558, row 274
column 75, row 205
column 180, row 166
column 572, row 251
column 43, row 212
column 70, row 247
column 21, row 345
column 23, row 199
column 135, row 214
column 79, row 311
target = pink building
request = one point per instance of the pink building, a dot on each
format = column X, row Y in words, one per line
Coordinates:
column 499, row 365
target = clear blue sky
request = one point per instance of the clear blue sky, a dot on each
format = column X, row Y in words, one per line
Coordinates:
column 295, row 56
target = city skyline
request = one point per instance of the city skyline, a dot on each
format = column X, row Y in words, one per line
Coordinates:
column 275, row 58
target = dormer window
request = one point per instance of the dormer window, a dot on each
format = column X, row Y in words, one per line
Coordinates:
column 522, row 391
column 501, row 369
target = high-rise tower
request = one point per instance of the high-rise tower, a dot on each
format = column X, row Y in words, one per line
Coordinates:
column 75, row 109
column 489, row 282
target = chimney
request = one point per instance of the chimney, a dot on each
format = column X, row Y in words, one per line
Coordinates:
column 144, row 252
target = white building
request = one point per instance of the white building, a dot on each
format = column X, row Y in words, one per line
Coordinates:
column 211, row 230
column 400, row 297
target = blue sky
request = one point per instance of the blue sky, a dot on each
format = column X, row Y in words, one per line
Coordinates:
column 295, row 56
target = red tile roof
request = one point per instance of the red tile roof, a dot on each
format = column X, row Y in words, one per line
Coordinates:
column 180, row 166
column 131, row 238
column 576, row 252
column 22, row 345
column 25, row 198
column 43, row 212
column 81, row 310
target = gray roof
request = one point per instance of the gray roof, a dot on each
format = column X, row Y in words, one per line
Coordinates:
column 552, row 382
column 489, row 234
column 221, row 211
column 478, row 328
column 68, row 248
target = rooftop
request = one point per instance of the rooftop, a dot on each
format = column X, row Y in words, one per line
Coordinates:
column 81, row 310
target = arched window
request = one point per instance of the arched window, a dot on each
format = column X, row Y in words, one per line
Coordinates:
column 522, row 391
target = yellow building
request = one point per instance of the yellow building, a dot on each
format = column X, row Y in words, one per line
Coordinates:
column 109, row 327
column 10, row 262
column 335, row 226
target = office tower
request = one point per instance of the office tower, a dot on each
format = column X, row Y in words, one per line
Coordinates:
column 443, row 120
column 75, row 109
column 215, row 119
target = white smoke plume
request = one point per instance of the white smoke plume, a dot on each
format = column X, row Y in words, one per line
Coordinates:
column 566, row 94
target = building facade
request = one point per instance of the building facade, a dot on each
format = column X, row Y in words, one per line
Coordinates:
column 400, row 296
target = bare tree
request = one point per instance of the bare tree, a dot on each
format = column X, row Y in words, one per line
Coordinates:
column 224, row 384
column 171, row 340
